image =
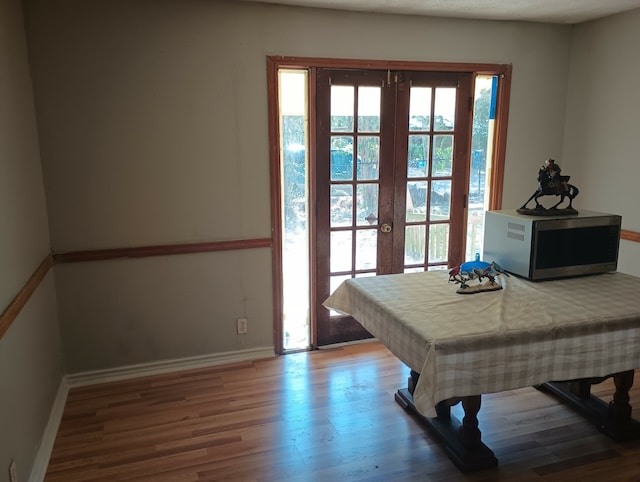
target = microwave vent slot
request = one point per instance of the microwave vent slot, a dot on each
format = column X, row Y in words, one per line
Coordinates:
column 515, row 231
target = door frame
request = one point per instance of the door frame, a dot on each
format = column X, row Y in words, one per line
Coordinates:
column 274, row 63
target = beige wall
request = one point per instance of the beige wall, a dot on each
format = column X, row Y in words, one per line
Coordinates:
column 153, row 113
column 126, row 312
column 602, row 122
column 30, row 358
column 153, row 124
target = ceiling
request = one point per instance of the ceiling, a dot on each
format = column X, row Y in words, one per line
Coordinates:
column 551, row 11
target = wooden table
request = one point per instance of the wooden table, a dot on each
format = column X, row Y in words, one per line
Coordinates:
column 459, row 347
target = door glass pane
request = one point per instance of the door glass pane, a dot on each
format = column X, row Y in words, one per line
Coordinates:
column 334, row 282
column 442, row 155
column 341, row 158
column 341, row 205
column 366, row 252
column 416, row 201
column 484, row 110
column 418, row 156
column 342, row 108
column 368, row 157
column 368, row 109
column 293, row 116
column 420, row 109
column 340, row 251
column 440, row 200
column 438, row 243
column 367, row 204
column 414, row 244
column 444, row 112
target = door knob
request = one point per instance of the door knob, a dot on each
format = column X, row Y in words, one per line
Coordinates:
column 385, row 228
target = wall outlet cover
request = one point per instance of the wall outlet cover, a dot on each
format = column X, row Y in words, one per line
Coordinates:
column 242, row 326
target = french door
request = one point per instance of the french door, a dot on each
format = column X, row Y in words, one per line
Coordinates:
column 391, row 179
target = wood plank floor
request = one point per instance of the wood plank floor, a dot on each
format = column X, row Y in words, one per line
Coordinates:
column 327, row 415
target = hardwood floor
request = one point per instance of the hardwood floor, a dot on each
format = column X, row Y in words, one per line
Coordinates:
column 327, row 415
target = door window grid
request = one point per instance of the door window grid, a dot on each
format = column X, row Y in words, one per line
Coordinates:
column 429, row 176
column 354, row 179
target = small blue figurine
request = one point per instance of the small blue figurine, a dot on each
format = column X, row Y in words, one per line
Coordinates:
column 479, row 270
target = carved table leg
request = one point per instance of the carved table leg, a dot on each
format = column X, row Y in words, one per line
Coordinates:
column 462, row 440
column 470, row 434
column 619, row 408
column 613, row 419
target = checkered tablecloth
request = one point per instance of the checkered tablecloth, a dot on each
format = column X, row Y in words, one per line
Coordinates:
column 522, row 335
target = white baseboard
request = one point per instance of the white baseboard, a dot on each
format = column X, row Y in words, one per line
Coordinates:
column 45, row 448
column 166, row 366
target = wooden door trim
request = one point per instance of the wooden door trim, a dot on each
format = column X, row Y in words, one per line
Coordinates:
column 400, row 146
column 500, row 139
column 275, row 62
column 276, row 193
column 313, row 199
column 361, row 64
column 321, row 212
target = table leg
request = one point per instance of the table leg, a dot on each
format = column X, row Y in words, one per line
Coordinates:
column 613, row 419
column 619, row 408
column 462, row 440
column 470, row 434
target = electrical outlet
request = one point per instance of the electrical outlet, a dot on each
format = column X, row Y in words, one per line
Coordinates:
column 242, row 326
column 13, row 471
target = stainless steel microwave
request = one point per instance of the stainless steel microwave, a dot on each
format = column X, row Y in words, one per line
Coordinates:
column 545, row 247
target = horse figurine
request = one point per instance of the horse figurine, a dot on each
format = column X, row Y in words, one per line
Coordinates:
column 550, row 182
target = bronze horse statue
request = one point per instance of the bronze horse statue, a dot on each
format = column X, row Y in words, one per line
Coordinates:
column 551, row 185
